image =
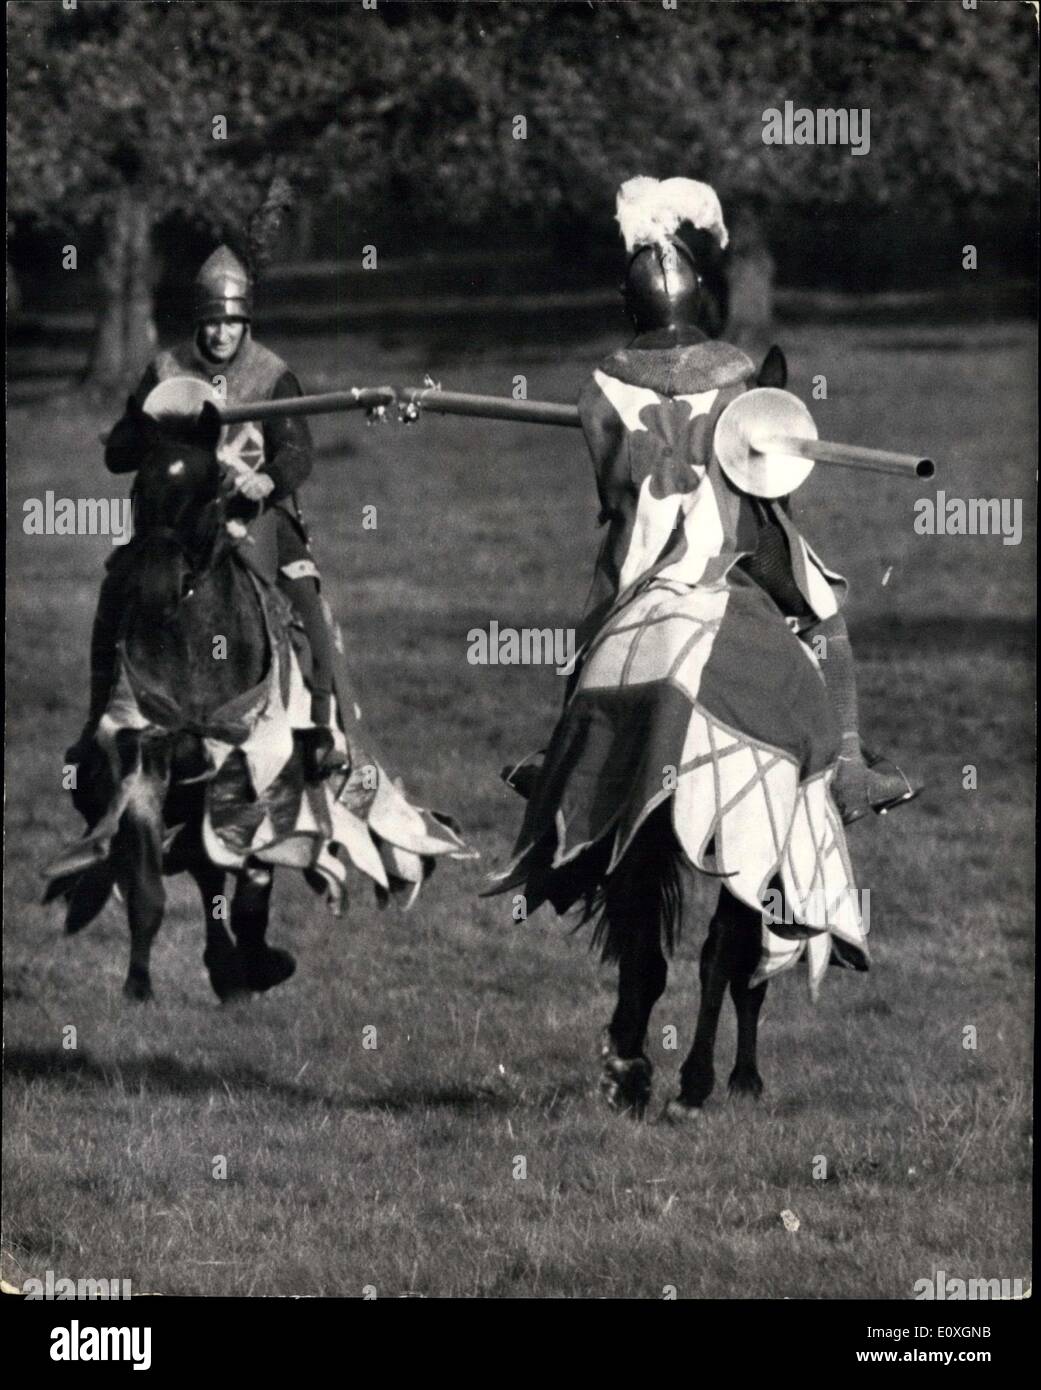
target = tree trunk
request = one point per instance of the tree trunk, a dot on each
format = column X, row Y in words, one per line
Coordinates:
column 139, row 334
column 124, row 332
column 303, row 249
column 751, row 283
column 105, row 367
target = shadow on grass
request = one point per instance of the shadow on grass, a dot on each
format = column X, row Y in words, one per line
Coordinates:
column 161, row 1072
column 452, row 1096
column 168, row 1074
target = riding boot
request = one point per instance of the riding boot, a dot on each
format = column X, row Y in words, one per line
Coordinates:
column 523, row 777
column 864, row 781
column 321, row 758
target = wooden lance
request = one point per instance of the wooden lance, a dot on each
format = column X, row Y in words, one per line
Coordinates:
column 766, row 440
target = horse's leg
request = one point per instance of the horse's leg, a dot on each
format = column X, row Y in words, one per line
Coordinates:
column 644, row 891
column 223, row 962
column 138, row 856
column 642, row 973
column 745, row 1079
column 697, row 1076
column 265, row 966
column 625, row 1081
column 734, row 933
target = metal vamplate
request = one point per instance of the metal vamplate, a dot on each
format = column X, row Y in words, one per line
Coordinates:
column 759, row 415
column 179, row 397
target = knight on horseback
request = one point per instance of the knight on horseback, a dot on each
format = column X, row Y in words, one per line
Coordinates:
column 712, row 718
column 205, row 753
column 266, row 463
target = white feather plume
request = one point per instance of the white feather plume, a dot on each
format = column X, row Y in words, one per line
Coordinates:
column 650, row 210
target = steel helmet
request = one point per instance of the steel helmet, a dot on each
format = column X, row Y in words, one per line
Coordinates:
column 222, row 288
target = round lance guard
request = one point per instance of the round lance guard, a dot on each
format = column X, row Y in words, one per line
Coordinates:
column 179, row 398
column 763, row 414
column 179, row 401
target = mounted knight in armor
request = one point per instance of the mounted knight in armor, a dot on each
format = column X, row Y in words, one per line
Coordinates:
column 712, row 718
column 266, row 463
column 204, row 752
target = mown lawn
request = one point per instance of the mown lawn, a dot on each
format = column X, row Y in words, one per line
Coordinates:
column 395, row 1167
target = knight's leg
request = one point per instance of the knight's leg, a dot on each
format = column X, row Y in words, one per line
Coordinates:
column 303, row 594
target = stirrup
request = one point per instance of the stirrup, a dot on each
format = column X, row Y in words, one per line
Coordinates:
column 889, row 785
column 522, row 777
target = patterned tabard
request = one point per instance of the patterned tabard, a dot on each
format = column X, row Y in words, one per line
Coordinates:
column 692, row 686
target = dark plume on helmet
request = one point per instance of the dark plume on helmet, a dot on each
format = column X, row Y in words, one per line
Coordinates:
column 670, row 283
column 265, row 223
column 224, row 284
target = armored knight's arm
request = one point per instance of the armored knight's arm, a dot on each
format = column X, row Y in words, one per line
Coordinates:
column 288, row 450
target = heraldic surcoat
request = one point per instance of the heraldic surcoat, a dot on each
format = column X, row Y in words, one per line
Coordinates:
column 693, row 684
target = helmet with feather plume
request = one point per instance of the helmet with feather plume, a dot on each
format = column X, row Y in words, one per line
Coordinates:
column 663, row 281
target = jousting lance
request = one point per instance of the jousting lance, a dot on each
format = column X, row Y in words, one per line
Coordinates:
column 766, row 440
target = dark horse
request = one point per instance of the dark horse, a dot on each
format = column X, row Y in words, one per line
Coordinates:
column 185, row 591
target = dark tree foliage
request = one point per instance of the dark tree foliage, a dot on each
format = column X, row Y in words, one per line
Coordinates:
column 114, row 122
column 112, row 105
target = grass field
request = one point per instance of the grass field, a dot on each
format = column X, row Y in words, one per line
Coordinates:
column 395, row 1167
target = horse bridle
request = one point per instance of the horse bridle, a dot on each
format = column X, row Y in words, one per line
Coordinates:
column 192, row 567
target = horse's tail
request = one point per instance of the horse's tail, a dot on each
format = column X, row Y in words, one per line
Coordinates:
column 646, row 892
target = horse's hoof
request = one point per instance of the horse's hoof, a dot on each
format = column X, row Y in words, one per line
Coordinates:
column 228, row 979
column 227, row 974
column 679, row 1113
column 745, row 1083
column 625, row 1084
column 136, row 990
column 269, row 968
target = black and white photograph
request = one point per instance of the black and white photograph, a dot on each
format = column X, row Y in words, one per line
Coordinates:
column 520, row 595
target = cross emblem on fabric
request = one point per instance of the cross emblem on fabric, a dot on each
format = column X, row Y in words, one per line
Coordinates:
column 243, row 447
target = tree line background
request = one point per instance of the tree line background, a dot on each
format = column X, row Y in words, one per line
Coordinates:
column 396, row 128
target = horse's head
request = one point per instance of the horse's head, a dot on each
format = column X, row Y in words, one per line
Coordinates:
column 179, row 507
column 178, row 475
